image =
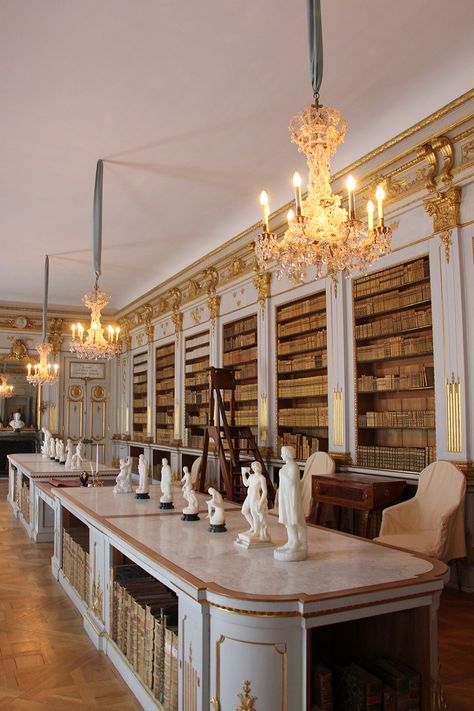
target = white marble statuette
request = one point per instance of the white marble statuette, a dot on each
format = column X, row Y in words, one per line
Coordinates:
column 166, row 498
column 60, row 451
column 17, row 423
column 190, row 512
column 57, row 445
column 215, row 512
column 290, row 512
column 77, row 457
column 142, row 491
column 69, row 453
column 255, row 509
column 52, row 448
column 46, row 439
column 123, row 482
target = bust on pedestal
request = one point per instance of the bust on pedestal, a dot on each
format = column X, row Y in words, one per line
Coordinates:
column 17, row 423
column 142, row 491
column 215, row 512
column 290, row 510
column 166, row 498
column 190, row 512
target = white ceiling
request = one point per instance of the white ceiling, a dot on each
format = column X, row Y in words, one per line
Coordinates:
column 188, row 103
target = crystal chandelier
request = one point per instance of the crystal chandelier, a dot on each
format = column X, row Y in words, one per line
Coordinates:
column 321, row 233
column 44, row 371
column 95, row 346
column 6, row 390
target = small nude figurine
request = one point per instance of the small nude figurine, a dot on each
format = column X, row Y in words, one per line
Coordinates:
column 56, row 448
column 45, row 446
column 166, row 498
column 52, row 448
column 190, row 512
column 77, row 458
column 290, row 511
column 69, row 453
column 60, row 451
column 123, row 483
column 142, row 491
column 255, row 508
column 215, row 508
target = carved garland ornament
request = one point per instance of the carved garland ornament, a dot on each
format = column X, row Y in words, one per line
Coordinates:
column 261, row 282
column 246, row 699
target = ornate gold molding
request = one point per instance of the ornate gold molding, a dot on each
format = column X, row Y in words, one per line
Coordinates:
column 453, row 415
column 97, row 607
column 177, row 316
column 444, row 208
column 446, row 240
column 261, row 282
column 177, row 319
column 18, row 350
column 213, row 304
column 125, row 324
column 247, row 701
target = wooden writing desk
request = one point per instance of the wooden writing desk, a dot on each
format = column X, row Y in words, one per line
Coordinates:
column 355, row 491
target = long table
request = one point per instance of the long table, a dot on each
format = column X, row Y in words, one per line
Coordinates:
column 28, row 502
column 243, row 616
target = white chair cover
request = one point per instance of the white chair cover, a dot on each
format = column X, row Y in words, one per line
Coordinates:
column 195, row 470
column 433, row 521
column 318, row 463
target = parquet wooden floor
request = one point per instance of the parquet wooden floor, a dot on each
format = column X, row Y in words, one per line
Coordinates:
column 47, row 662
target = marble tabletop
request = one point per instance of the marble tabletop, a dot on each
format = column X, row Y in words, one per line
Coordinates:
column 34, row 465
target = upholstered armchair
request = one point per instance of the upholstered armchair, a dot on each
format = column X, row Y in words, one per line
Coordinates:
column 432, row 522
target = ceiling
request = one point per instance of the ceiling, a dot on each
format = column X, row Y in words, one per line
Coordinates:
column 188, row 103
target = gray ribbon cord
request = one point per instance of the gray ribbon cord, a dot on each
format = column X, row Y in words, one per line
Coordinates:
column 97, row 221
column 315, row 36
column 45, row 297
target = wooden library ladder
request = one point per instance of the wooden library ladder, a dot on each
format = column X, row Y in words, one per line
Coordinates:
column 231, row 440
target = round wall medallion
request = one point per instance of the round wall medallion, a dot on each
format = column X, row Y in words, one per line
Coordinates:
column 21, row 322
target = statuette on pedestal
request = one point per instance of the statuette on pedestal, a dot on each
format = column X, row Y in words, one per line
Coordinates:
column 290, row 511
column 56, row 448
column 190, row 512
column 166, row 498
column 123, row 483
column 52, row 448
column 215, row 509
column 45, row 445
column 255, row 509
column 142, row 491
column 77, row 458
column 60, row 451
column 69, row 453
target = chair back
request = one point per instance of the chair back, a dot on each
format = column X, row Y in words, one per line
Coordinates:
column 441, row 487
column 318, row 463
column 195, row 471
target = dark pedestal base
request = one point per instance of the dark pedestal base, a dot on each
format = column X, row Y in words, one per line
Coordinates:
column 63, row 463
column 189, row 517
column 142, row 496
column 217, row 528
column 53, row 459
column 166, row 505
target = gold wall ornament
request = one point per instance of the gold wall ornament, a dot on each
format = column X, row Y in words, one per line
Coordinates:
column 261, row 282
column 177, row 318
column 247, row 701
column 427, row 153
column 338, row 409
column 446, row 241
column 213, row 304
column 444, row 207
column 139, row 338
column 237, row 267
column 96, row 589
column 18, row 350
column 211, row 280
column 453, row 415
column 175, row 298
column 467, row 151
column 194, row 288
column 146, row 316
column 444, row 146
column 196, row 315
column 125, row 324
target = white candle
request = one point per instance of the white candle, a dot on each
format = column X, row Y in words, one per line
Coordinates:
column 350, row 185
column 266, row 210
column 297, row 186
column 29, row 368
column 290, row 216
column 370, row 215
column 379, row 194
column 73, row 330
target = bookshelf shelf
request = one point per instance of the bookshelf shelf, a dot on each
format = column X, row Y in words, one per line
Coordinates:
column 395, row 419
column 302, row 408
column 140, row 397
column 196, row 395
column 164, row 389
column 240, row 354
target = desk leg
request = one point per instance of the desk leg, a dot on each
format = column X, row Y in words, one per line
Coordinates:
column 366, row 520
column 317, row 513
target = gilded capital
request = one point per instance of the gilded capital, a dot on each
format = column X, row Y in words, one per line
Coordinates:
column 444, row 208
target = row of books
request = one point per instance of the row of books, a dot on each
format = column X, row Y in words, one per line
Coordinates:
column 145, row 628
column 200, row 378
column 139, row 378
column 244, row 324
column 396, row 346
column 309, row 362
column 165, row 384
column 390, row 278
column 235, row 357
column 249, row 391
column 303, row 416
column 195, row 441
column 304, row 446
column 390, row 418
column 24, row 501
column 193, row 419
column 196, row 353
column 165, row 372
column 75, row 560
column 303, row 387
column 240, row 341
column 140, row 389
column 403, row 321
column 165, row 400
column 246, row 417
column 305, row 343
column 140, row 371
column 139, row 418
column 392, row 301
column 385, row 685
column 139, row 402
column 198, row 367
column 423, row 378
column 164, row 418
column 163, row 351
column 411, row 459
column 196, row 397
column 165, row 436
column 302, row 307
column 198, row 340
column 303, row 324
column 247, row 371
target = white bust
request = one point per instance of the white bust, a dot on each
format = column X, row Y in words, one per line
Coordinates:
column 142, row 476
column 165, row 483
column 192, row 508
column 290, row 511
column 255, row 508
column 17, row 423
column 123, row 481
column 215, row 511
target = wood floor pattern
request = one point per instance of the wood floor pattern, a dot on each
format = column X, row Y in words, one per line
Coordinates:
column 47, row 662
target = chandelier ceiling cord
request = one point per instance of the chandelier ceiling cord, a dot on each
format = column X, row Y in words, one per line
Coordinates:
column 44, row 371
column 320, row 232
column 92, row 344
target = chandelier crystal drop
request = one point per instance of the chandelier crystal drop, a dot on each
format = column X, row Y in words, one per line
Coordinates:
column 42, row 372
column 95, row 346
column 6, row 390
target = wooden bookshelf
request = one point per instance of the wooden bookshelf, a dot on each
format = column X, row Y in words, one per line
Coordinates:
column 164, row 384
column 240, row 354
column 302, row 383
column 395, row 398
column 196, row 388
column 140, row 400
